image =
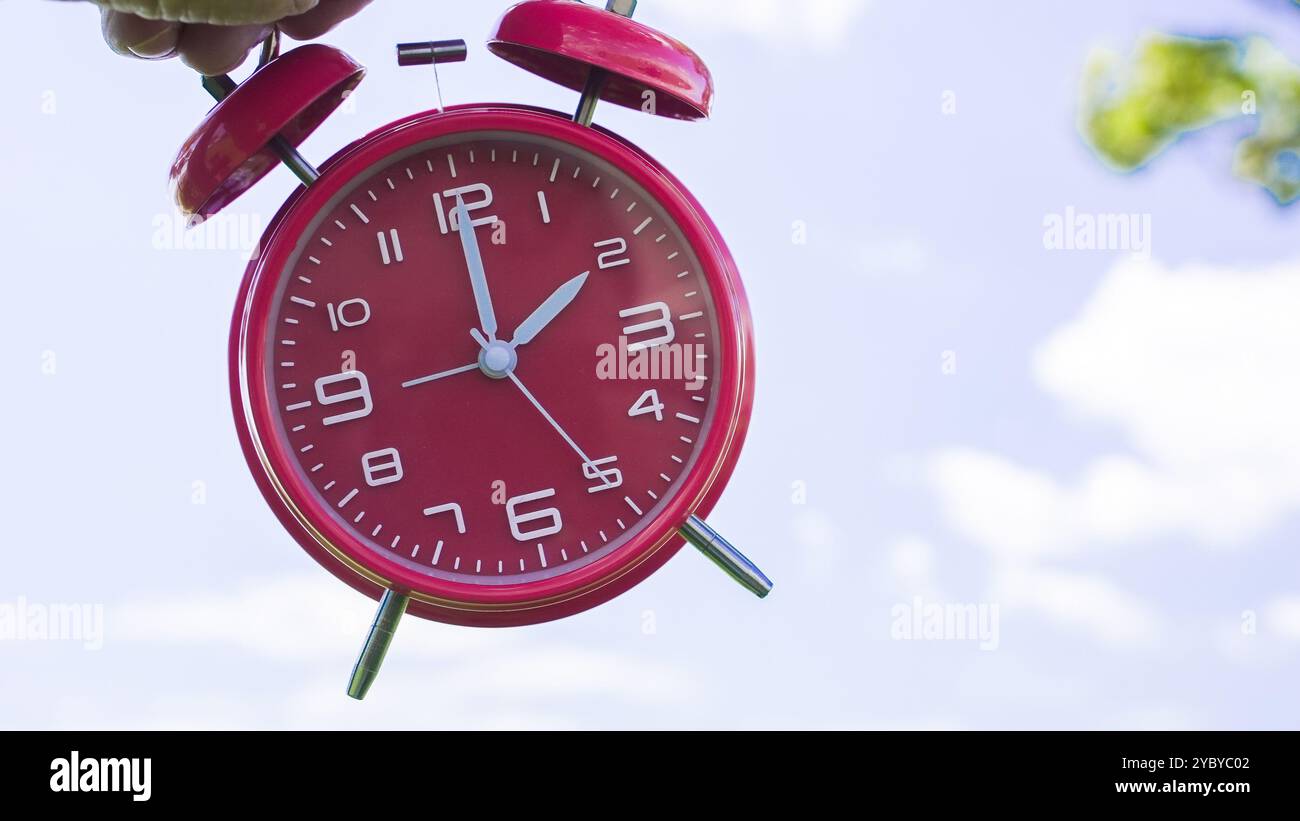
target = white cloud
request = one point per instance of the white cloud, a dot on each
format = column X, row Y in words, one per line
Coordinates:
column 1013, row 511
column 1149, row 718
column 1195, row 365
column 203, row 711
column 468, row 677
column 545, row 687
column 818, row 538
column 895, row 255
column 299, row 618
column 1095, row 606
column 1196, row 368
column 1283, row 617
column 815, row 23
column 911, row 560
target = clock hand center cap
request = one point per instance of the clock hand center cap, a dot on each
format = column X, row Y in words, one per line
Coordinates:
column 498, row 359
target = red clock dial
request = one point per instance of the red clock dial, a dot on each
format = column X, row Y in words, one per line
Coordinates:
column 519, row 409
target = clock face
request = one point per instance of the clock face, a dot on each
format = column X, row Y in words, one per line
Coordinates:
column 498, row 407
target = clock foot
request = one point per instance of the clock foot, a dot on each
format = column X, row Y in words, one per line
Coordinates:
column 726, row 556
column 391, row 609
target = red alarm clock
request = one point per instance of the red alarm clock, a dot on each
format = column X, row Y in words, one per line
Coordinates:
column 491, row 363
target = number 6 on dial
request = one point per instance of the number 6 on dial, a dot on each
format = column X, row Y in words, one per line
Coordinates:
column 517, row 519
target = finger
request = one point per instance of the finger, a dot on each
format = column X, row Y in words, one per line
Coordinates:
column 130, row 35
column 327, row 15
column 218, row 49
column 217, row 12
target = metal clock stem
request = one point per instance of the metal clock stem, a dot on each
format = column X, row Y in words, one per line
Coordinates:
column 596, row 77
column 590, row 96
column 391, row 609
column 726, row 556
column 221, row 85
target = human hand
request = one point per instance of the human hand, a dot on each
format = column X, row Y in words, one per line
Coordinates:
column 213, row 36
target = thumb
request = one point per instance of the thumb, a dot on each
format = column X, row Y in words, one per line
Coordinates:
column 135, row 36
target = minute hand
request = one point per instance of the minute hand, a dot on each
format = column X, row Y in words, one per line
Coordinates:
column 548, row 310
column 538, row 405
column 474, row 262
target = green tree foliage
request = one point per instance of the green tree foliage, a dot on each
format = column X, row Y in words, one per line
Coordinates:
column 1132, row 110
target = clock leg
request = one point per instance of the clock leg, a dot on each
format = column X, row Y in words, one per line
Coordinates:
column 725, row 555
column 391, row 609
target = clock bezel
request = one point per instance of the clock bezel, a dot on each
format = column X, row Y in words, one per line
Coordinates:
column 346, row 556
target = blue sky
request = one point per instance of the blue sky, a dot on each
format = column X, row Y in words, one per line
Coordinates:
column 1112, row 463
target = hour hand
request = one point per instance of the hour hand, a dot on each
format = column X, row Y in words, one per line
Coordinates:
column 474, row 262
column 548, row 310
